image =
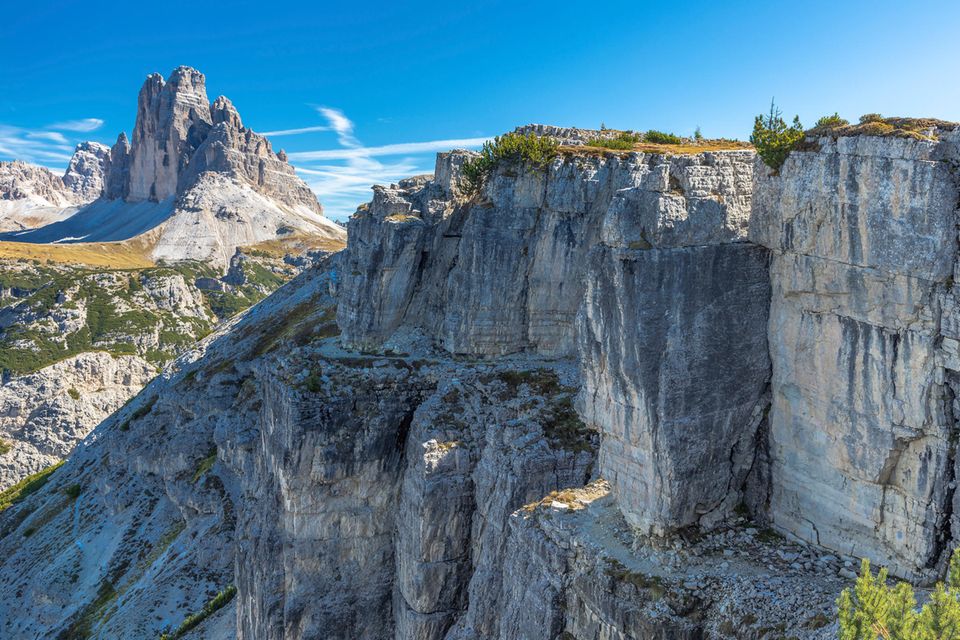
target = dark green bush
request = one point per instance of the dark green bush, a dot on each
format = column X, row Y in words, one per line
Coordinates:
column 623, row 140
column 773, row 139
column 831, row 121
column 536, row 151
column 218, row 602
column 873, row 608
column 29, row 485
column 871, row 117
column 659, row 137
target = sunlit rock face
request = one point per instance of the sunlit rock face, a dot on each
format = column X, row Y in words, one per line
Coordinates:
column 173, row 117
column 862, row 232
column 564, row 407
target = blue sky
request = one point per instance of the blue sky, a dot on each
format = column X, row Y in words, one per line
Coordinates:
column 384, row 84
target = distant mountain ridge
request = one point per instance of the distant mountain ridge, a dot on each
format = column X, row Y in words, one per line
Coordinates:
column 192, row 171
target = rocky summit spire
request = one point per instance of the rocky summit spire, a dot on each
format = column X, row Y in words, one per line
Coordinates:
column 173, row 117
column 84, row 176
column 222, row 110
column 116, row 181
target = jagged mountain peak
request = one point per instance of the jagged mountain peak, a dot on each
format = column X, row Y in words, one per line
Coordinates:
column 187, row 159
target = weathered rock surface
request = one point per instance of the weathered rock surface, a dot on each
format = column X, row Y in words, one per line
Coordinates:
column 173, row 118
column 193, row 183
column 84, row 176
column 59, row 324
column 506, row 273
column 416, row 490
column 44, row 414
column 674, row 360
column 863, row 425
column 32, row 196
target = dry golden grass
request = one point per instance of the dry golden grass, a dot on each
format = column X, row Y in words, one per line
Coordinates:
column 685, row 149
column 116, row 255
column 279, row 247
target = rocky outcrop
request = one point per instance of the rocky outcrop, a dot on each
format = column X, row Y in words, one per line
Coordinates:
column 556, row 409
column 429, row 259
column 239, row 153
column 173, row 117
column 862, row 429
column 22, row 181
column 32, row 196
column 193, row 178
column 44, row 414
column 116, row 183
column 84, row 176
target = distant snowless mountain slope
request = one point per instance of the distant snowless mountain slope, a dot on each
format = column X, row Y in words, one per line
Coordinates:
column 192, row 172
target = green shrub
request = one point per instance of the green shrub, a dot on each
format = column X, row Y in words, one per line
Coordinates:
column 5, row 447
column 623, row 140
column 29, row 485
column 697, row 134
column 871, row 117
column 531, row 149
column 205, row 465
column 831, row 122
column 773, row 139
column 73, row 393
column 73, row 491
column 873, row 609
column 659, row 137
column 218, row 602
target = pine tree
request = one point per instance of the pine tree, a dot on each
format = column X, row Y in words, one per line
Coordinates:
column 873, row 610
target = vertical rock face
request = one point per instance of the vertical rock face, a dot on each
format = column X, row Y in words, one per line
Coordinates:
column 116, row 183
column 505, row 274
column 84, row 176
column 863, row 425
column 675, row 366
column 173, row 118
column 672, row 342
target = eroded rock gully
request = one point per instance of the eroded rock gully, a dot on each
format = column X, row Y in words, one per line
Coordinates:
column 568, row 407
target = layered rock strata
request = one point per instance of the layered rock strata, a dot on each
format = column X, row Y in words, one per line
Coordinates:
column 444, row 483
column 863, row 232
column 192, row 176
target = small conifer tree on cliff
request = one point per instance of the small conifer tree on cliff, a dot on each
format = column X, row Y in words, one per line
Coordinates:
column 874, row 610
column 773, row 139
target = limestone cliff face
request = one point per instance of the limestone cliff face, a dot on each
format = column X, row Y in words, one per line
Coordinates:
column 44, row 414
column 536, row 394
column 505, row 273
column 863, row 233
column 84, row 176
column 32, row 196
column 173, row 117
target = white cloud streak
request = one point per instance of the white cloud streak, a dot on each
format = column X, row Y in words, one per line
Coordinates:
column 46, row 148
column 342, row 177
column 294, row 132
column 389, row 149
column 84, row 125
column 52, row 136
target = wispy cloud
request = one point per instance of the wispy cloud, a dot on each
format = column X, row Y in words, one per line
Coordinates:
column 49, row 149
column 344, row 178
column 390, row 149
column 52, row 136
column 295, row 132
column 84, row 125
